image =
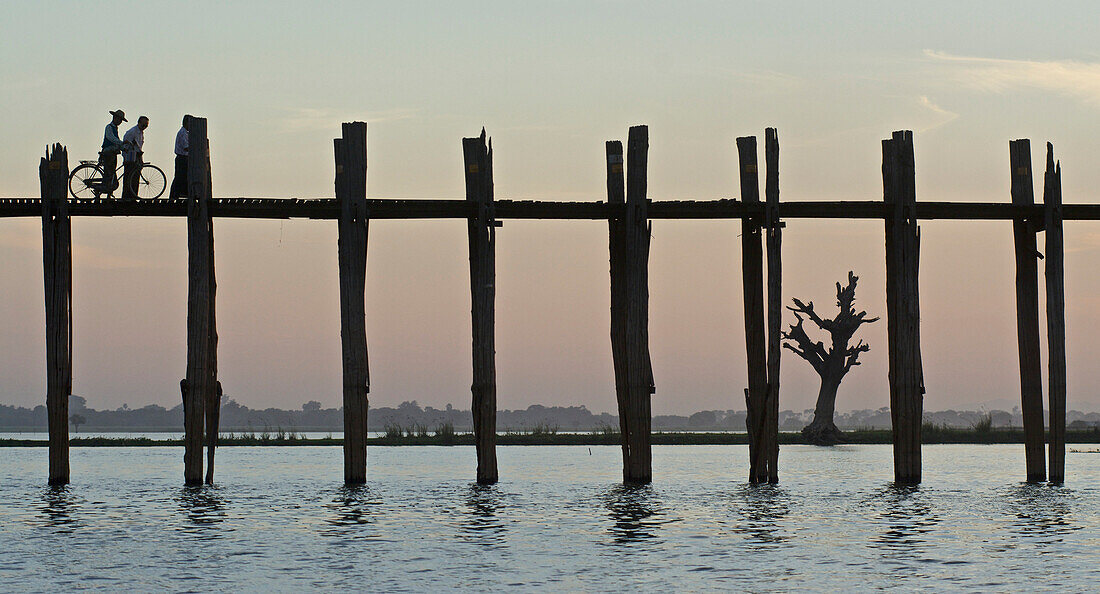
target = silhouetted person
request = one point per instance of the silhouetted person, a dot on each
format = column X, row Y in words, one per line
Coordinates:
column 108, row 153
column 179, row 180
column 132, row 144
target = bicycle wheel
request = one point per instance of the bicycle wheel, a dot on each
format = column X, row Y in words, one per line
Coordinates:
column 86, row 181
column 149, row 182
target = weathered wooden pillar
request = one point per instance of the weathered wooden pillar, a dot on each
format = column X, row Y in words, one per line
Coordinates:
column 774, row 230
column 478, row 157
column 1027, row 310
column 212, row 401
column 616, row 195
column 351, row 193
column 57, row 276
column 202, row 336
column 1056, row 316
column 752, row 279
column 902, row 305
column 634, row 315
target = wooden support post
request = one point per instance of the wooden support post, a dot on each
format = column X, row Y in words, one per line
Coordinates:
column 202, row 336
column 616, row 195
column 57, row 276
column 1027, row 311
column 478, row 158
column 903, row 306
column 212, row 401
column 752, row 276
column 1056, row 316
column 774, row 241
column 351, row 193
column 634, row 313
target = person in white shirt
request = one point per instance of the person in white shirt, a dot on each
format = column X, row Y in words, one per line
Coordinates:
column 179, row 180
column 132, row 144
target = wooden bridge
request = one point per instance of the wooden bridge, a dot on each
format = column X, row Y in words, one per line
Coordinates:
column 629, row 213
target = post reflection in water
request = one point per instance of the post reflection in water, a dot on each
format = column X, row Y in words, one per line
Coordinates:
column 480, row 521
column 635, row 511
column 1041, row 510
column 907, row 515
column 351, row 507
column 762, row 507
column 203, row 505
column 58, row 505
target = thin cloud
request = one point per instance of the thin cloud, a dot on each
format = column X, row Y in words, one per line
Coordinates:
column 1070, row 78
column 943, row 116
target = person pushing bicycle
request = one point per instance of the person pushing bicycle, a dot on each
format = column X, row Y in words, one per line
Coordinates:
column 108, row 154
column 95, row 179
column 132, row 144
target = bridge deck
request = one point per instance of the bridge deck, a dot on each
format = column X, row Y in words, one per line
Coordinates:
column 380, row 208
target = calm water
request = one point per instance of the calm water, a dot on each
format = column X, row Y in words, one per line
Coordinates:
column 280, row 520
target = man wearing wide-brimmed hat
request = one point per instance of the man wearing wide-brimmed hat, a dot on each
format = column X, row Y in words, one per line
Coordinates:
column 108, row 155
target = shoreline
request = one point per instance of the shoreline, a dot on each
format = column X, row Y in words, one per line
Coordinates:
column 876, row 436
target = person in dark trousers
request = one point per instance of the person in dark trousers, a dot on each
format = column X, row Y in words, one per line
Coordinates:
column 108, row 153
column 179, row 180
column 132, row 144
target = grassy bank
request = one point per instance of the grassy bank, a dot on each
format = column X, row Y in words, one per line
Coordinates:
column 930, row 435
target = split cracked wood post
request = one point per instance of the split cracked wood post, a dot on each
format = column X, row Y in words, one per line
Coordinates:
column 752, row 279
column 57, row 276
column 903, row 305
column 1027, row 311
column 351, row 193
column 202, row 336
column 481, row 224
column 212, row 401
column 774, row 241
column 634, row 314
column 1056, row 316
column 616, row 195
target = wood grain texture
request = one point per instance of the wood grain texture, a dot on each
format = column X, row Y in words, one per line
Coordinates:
column 351, row 194
column 481, row 226
column 752, row 283
column 1056, row 317
column 902, row 305
column 1027, row 311
column 57, row 276
column 638, row 460
column 774, row 243
column 616, row 195
column 201, row 333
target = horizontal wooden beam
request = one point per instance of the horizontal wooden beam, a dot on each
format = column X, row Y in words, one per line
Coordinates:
column 386, row 208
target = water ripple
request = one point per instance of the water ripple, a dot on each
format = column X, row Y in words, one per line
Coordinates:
column 280, row 520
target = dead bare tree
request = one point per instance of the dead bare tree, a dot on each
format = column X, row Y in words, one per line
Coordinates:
column 831, row 364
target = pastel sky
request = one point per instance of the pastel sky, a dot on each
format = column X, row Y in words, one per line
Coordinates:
column 550, row 81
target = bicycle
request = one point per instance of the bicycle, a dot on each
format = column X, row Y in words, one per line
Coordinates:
column 87, row 181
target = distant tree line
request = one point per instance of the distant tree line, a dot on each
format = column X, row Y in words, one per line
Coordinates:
column 312, row 416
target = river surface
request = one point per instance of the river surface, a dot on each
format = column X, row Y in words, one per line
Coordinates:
column 279, row 519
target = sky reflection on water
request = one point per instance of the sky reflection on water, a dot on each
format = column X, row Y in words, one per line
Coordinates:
column 279, row 519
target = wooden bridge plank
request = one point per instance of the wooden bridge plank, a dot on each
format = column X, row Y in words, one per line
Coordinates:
column 383, row 208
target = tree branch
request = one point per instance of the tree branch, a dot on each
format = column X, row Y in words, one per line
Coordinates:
column 807, row 309
column 852, row 355
column 802, row 345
